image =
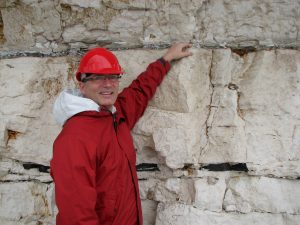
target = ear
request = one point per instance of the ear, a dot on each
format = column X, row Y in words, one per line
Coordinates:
column 81, row 87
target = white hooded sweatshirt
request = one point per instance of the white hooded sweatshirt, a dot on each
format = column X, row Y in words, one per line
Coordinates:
column 71, row 102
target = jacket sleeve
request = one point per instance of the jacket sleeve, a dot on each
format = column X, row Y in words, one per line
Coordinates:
column 134, row 99
column 73, row 171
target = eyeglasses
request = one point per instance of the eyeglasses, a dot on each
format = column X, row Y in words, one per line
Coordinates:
column 100, row 78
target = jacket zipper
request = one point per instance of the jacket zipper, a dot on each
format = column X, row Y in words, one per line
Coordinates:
column 115, row 122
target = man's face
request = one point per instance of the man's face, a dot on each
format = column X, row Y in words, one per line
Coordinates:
column 103, row 91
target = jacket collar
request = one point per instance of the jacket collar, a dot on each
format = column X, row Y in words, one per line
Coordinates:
column 70, row 102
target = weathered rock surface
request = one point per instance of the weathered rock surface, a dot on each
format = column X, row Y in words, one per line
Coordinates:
column 220, row 141
column 260, row 113
column 221, row 108
column 170, row 132
column 25, row 110
column 209, row 193
column 12, row 170
column 276, row 105
column 262, row 195
column 286, row 169
column 60, row 25
column 23, row 201
column 177, row 214
column 149, row 212
column 225, row 113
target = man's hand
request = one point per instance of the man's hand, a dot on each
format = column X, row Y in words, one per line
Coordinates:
column 177, row 51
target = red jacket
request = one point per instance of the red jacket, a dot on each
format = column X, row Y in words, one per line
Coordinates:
column 93, row 164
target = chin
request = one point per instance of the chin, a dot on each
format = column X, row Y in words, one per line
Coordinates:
column 106, row 104
column 109, row 102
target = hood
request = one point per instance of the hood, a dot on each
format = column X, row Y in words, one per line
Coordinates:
column 71, row 102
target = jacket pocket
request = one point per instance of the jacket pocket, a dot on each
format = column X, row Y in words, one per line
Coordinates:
column 106, row 207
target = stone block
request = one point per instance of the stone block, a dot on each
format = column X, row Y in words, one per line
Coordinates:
column 209, row 193
column 186, row 86
column 147, row 188
column 253, row 111
column 175, row 190
column 225, row 129
column 171, row 134
column 292, row 219
column 29, row 129
column 239, row 23
column 128, row 24
column 149, row 212
column 145, row 149
column 134, row 62
column 31, row 25
column 262, row 194
column 269, row 94
column 23, row 200
column 178, row 214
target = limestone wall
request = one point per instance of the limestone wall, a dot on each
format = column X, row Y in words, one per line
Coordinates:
column 219, row 142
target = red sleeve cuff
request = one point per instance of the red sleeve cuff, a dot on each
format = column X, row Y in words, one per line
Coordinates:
column 165, row 63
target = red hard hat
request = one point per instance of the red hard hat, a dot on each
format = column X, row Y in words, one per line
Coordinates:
column 98, row 61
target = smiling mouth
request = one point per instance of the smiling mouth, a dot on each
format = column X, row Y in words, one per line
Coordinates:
column 106, row 92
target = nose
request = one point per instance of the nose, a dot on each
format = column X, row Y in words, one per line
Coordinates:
column 107, row 82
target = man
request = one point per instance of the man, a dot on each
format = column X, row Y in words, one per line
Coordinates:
column 93, row 164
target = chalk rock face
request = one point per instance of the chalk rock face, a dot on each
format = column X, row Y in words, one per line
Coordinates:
column 289, row 169
column 56, row 26
column 219, row 142
column 134, row 62
column 263, row 195
column 210, row 193
column 171, row 135
column 31, row 24
column 29, row 86
column 175, row 190
column 265, row 99
column 259, row 113
column 228, row 111
column 177, row 214
column 21, row 201
column 214, row 110
column 149, row 211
